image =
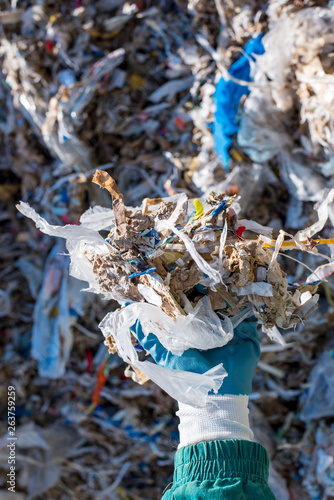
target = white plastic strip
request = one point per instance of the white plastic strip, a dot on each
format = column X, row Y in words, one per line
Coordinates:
column 202, row 264
column 321, row 273
column 322, row 210
column 278, row 245
column 222, row 242
column 98, row 218
column 256, row 227
column 274, row 334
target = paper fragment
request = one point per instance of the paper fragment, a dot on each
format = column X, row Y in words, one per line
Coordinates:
column 104, row 180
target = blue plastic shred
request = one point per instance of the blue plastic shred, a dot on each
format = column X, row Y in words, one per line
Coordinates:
column 219, row 209
column 227, row 98
column 148, row 271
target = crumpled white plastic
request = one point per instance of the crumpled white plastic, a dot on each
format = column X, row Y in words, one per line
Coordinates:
column 151, row 296
column 187, row 387
column 199, row 329
column 261, row 133
column 278, row 245
column 81, row 243
column 283, row 74
column 98, row 218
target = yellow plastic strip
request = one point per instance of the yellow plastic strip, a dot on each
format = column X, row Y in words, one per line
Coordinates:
column 199, row 209
column 288, row 244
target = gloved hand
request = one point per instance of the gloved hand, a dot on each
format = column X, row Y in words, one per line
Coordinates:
column 226, row 414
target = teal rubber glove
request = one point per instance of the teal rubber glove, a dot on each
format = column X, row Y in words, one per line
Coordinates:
column 239, row 357
column 225, row 415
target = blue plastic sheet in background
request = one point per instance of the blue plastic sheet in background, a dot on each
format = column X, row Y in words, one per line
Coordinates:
column 58, row 305
column 227, row 98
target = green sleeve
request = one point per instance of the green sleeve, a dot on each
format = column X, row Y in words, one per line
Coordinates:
column 225, row 470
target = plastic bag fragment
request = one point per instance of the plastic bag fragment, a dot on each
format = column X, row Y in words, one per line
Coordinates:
column 190, row 388
column 51, row 333
column 200, row 329
column 256, row 227
column 98, row 218
column 81, row 241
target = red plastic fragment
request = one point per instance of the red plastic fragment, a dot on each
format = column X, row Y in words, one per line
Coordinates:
column 179, row 123
column 240, row 230
column 49, row 45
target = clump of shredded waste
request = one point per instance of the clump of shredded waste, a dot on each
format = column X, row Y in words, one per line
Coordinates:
column 166, row 256
column 190, row 271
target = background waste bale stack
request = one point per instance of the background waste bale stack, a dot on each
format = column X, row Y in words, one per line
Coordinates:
column 49, row 53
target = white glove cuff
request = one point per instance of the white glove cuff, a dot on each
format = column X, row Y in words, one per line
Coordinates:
column 223, row 417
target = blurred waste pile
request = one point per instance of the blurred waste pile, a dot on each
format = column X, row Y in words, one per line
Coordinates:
column 169, row 97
